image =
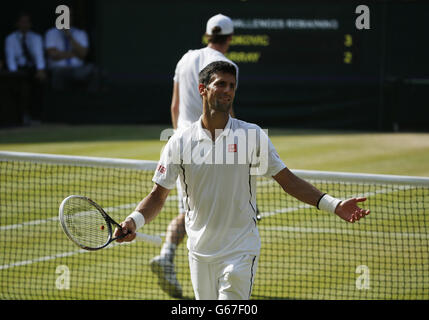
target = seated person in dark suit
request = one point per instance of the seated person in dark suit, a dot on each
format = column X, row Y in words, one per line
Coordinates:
column 24, row 55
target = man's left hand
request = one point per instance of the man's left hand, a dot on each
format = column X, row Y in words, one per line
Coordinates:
column 349, row 211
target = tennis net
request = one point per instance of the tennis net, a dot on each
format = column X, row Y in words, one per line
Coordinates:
column 305, row 254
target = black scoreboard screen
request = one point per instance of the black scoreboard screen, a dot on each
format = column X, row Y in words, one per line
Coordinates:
column 278, row 45
column 273, row 40
column 298, row 60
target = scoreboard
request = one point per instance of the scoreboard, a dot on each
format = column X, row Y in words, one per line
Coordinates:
column 275, row 43
column 273, row 40
column 304, row 63
column 303, row 49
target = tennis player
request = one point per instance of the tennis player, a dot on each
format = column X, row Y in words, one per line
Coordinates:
column 220, row 219
column 186, row 108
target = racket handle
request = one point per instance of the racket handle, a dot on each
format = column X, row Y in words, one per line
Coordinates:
column 148, row 238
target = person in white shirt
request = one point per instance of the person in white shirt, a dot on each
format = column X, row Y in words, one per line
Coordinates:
column 67, row 50
column 186, row 108
column 24, row 48
column 25, row 55
column 223, row 239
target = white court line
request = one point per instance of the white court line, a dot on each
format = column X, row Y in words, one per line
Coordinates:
column 306, row 206
column 47, row 258
column 59, row 255
column 346, row 232
column 28, row 223
column 263, row 214
column 174, row 198
column 340, row 231
column 42, row 221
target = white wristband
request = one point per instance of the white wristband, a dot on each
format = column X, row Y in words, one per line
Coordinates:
column 138, row 219
column 328, row 203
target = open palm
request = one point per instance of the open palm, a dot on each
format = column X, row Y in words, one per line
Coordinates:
column 349, row 210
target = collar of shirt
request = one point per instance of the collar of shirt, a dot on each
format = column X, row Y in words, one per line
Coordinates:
column 20, row 35
column 204, row 134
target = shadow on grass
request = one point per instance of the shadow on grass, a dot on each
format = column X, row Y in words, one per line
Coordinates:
column 69, row 133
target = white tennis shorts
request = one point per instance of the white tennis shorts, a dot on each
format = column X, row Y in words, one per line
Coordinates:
column 231, row 279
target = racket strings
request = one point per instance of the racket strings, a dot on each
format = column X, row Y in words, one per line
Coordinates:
column 85, row 223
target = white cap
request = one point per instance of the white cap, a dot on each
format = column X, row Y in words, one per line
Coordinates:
column 223, row 22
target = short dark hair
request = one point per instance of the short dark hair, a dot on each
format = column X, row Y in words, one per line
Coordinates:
column 217, row 38
column 206, row 74
column 22, row 14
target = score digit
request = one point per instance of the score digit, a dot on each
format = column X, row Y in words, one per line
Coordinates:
column 348, row 56
column 348, row 40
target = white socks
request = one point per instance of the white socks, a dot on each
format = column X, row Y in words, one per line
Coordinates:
column 168, row 250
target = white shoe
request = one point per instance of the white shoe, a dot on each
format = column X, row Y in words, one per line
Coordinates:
column 167, row 279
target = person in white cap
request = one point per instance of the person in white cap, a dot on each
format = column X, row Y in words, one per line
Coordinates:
column 186, row 108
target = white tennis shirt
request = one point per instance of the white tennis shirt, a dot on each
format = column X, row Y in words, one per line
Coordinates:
column 186, row 74
column 218, row 180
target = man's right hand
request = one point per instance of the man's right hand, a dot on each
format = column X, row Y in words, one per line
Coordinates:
column 128, row 228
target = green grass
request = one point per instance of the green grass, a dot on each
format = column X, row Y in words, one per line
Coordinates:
column 383, row 153
column 306, row 254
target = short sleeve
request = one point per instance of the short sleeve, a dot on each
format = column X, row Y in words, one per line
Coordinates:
column 266, row 161
column 167, row 170
column 82, row 38
column 237, row 76
column 39, row 53
column 275, row 164
column 177, row 71
column 51, row 39
column 10, row 57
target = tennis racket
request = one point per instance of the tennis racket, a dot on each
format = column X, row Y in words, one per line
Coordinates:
column 89, row 226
